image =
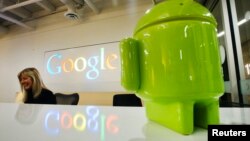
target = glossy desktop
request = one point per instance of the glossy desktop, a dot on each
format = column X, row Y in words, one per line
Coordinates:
column 28, row 122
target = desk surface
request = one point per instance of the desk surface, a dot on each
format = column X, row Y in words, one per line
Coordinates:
column 27, row 122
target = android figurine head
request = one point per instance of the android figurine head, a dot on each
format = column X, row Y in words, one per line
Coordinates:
column 172, row 63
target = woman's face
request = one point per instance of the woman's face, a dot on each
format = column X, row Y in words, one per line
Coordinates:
column 26, row 82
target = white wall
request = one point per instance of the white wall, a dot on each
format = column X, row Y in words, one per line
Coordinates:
column 21, row 48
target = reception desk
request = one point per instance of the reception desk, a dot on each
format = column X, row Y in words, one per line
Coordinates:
column 28, row 122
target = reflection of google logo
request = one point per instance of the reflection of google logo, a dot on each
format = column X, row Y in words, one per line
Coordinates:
column 80, row 64
column 56, row 121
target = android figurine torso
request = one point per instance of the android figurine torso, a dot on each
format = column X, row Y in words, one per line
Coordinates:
column 172, row 63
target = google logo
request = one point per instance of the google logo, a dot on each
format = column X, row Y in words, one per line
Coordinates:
column 57, row 64
column 56, row 121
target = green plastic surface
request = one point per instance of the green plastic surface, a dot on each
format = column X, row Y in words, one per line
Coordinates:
column 172, row 63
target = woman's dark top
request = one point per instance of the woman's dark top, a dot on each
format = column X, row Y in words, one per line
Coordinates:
column 46, row 97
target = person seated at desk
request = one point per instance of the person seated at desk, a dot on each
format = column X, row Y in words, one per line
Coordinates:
column 33, row 89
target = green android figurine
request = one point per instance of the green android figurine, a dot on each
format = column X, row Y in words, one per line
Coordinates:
column 173, row 64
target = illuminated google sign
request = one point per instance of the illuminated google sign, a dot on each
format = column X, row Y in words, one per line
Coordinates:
column 80, row 64
column 87, row 68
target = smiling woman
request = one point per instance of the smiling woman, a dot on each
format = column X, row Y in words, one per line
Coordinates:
column 33, row 89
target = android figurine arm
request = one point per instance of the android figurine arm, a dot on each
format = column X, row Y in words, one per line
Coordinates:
column 130, row 78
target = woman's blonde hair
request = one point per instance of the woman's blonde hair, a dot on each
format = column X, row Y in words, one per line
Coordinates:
column 37, row 84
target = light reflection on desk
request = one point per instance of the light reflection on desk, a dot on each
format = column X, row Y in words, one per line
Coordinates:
column 28, row 122
column 89, row 119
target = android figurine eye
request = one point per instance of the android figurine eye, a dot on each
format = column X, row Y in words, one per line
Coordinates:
column 172, row 63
